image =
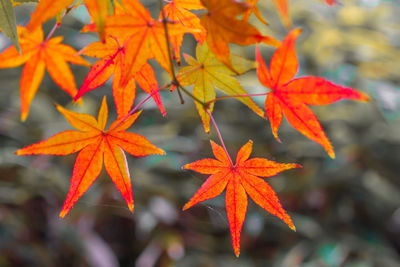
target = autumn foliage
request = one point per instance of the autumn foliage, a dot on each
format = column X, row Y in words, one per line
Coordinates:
column 128, row 38
column 239, row 179
column 95, row 145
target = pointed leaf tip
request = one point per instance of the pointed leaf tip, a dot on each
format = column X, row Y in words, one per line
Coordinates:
column 131, row 207
column 363, row 97
column 161, row 152
column 187, row 206
column 290, row 223
column 297, row 165
column 63, row 213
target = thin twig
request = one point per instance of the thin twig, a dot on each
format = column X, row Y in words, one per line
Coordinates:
column 171, row 63
column 196, row 99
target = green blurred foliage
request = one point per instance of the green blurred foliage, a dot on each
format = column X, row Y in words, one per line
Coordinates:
column 346, row 211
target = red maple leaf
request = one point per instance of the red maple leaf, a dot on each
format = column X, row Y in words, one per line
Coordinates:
column 291, row 96
column 112, row 61
column 95, row 145
column 239, row 180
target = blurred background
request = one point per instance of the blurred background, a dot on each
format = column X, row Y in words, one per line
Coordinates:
column 346, row 211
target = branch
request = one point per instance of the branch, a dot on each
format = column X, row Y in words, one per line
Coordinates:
column 171, row 63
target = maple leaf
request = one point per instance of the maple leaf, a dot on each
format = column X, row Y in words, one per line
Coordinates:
column 253, row 9
column 38, row 54
column 177, row 11
column 112, row 62
column 95, row 145
column 98, row 11
column 47, row 9
column 144, row 36
column 207, row 73
column 291, row 96
column 238, row 180
column 281, row 5
column 223, row 27
column 283, row 9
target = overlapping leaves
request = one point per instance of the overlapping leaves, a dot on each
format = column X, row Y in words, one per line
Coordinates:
column 129, row 38
column 207, row 74
column 144, row 37
column 112, row 62
column 224, row 27
column 95, row 145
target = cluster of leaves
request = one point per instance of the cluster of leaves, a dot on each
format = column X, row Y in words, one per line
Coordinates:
column 129, row 37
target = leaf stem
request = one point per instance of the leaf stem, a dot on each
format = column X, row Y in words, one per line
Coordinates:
column 178, row 85
column 174, row 77
column 219, row 136
column 57, row 25
column 52, row 31
column 193, row 97
column 133, row 110
column 171, row 63
column 234, row 96
column 178, row 88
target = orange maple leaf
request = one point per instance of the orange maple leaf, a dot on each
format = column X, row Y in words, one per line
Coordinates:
column 283, row 9
column 291, row 96
column 224, row 27
column 145, row 37
column 38, row 54
column 176, row 11
column 47, row 9
column 98, row 11
column 281, row 5
column 253, row 9
column 238, row 180
column 112, row 62
column 95, row 145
